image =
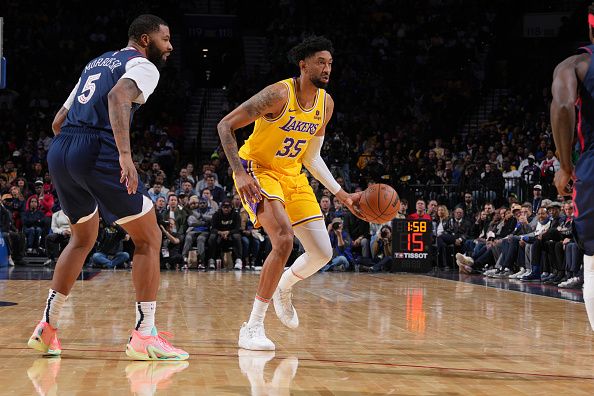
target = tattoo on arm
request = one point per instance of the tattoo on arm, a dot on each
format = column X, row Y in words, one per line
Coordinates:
column 261, row 103
column 229, row 144
column 119, row 103
column 258, row 105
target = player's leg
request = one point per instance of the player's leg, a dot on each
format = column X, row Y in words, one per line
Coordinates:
column 81, row 208
column 274, row 219
column 146, row 343
column 584, row 225
column 68, row 268
column 314, row 237
column 308, row 224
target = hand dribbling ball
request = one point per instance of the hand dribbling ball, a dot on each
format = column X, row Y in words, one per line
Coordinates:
column 379, row 203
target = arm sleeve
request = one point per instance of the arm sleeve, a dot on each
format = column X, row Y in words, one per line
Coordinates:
column 317, row 167
column 70, row 99
column 145, row 75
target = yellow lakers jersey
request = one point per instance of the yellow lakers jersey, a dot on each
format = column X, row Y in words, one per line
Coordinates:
column 278, row 144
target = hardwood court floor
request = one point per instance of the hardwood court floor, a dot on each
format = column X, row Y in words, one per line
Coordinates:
column 360, row 334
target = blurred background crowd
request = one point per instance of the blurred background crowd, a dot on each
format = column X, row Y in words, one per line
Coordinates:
column 446, row 100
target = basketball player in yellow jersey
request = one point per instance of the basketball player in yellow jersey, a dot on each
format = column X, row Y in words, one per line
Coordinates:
column 290, row 120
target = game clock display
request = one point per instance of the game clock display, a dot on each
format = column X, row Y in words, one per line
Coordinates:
column 412, row 245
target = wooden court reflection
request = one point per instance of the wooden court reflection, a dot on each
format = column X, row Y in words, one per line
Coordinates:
column 360, row 334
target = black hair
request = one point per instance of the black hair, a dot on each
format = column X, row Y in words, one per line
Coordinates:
column 591, row 9
column 308, row 47
column 144, row 24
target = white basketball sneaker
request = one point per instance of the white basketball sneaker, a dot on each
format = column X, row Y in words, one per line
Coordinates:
column 254, row 338
column 283, row 306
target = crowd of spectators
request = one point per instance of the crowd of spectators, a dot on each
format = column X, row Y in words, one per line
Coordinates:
column 401, row 82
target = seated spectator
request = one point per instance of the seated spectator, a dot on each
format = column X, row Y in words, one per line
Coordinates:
column 342, row 258
column 251, row 238
column 186, row 189
column 157, row 191
column 207, row 194
column 432, row 209
column 170, row 245
column 510, row 262
column 537, row 198
column 382, row 250
column 455, row 232
column 325, row 206
column 161, row 207
column 358, row 230
column 190, row 173
column 337, row 209
column 440, row 223
column 225, row 230
column 110, row 249
column 59, row 237
column 557, row 245
column 199, row 223
column 17, row 206
column 420, row 213
column 176, row 212
column 540, row 266
column 207, row 172
column 470, row 207
column 33, row 225
column 402, row 211
column 218, row 194
column 13, row 239
column 527, row 243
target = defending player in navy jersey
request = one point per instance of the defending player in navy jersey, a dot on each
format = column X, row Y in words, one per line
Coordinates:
column 91, row 165
column 573, row 85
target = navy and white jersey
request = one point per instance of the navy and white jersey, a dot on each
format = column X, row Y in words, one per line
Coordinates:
column 87, row 104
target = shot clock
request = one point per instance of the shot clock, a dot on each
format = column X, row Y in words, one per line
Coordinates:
column 412, row 245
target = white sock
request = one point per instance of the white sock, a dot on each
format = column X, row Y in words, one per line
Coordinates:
column 145, row 317
column 288, row 279
column 589, row 287
column 258, row 311
column 53, row 307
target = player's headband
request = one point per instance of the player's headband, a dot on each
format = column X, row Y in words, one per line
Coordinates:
column 591, row 20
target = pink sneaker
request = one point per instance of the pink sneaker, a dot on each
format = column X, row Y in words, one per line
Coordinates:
column 153, row 347
column 45, row 339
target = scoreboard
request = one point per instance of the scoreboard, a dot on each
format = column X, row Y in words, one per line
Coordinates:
column 412, row 245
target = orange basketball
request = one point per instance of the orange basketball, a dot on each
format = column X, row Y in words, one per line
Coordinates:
column 379, row 203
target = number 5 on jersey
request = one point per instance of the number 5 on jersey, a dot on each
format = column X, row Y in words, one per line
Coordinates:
column 90, row 87
column 291, row 148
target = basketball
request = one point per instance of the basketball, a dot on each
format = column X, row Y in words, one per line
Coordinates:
column 379, row 203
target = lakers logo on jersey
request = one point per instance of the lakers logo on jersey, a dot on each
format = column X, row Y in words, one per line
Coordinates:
column 300, row 126
column 278, row 144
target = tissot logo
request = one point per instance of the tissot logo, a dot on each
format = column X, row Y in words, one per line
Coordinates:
column 411, row 255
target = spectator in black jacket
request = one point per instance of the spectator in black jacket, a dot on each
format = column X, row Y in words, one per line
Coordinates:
column 358, row 230
column 226, row 229
column 12, row 238
column 456, row 231
column 170, row 245
column 198, row 227
column 33, row 225
column 110, row 250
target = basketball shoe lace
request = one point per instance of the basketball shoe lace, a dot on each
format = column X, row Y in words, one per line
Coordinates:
column 256, row 331
column 287, row 302
column 164, row 343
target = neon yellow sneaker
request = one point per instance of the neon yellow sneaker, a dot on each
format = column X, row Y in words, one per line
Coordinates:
column 45, row 339
column 153, row 347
